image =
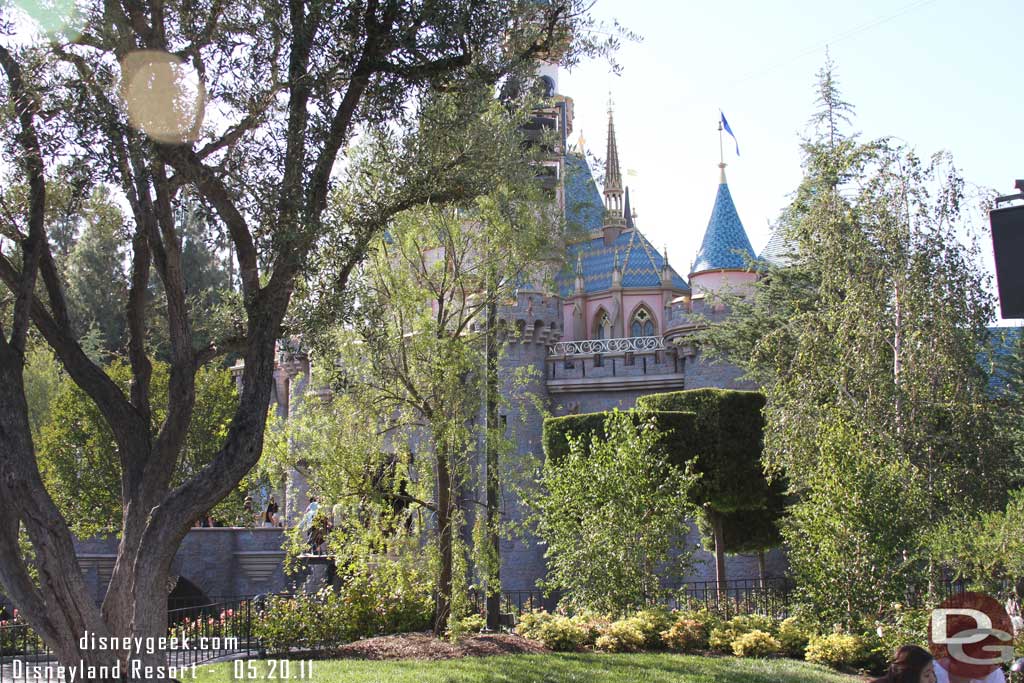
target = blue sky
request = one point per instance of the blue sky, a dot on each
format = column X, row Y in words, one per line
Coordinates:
column 938, row 74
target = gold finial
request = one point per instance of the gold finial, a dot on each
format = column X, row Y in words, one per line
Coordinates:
column 580, row 143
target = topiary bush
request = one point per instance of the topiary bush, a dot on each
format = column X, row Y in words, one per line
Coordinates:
column 624, row 635
column 685, row 635
column 838, row 650
column 756, row 643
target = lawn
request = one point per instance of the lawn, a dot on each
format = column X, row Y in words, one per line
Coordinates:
column 552, row 668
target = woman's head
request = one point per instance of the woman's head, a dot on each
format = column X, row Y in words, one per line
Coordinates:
column 912, row 664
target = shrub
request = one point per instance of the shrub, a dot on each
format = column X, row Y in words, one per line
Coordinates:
column 686, row 635
column 365, row 607
column 793, row 637
column 837, row 650
column 474, row 623
column 651, row 623
column 723, row 636
column 624, row 635
column 906, row 626
column 755, row 643
column 558, row 632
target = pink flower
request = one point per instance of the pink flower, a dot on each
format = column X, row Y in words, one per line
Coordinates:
column 231, row 612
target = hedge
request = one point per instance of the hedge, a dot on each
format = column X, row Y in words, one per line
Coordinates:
column 678, row 427
column 727, row 439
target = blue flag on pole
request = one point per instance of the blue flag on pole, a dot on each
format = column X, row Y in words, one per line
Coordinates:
column 725, row 124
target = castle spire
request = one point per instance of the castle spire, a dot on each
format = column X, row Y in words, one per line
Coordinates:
column 614, row 221
column 612, row 171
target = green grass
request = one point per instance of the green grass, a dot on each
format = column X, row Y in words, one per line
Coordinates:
column 554, row 668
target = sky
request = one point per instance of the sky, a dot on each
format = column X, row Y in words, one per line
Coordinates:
column 937, row 74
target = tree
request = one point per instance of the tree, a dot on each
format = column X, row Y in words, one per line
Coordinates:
column 97, row 285
column 291, row 85
column 609, row 511
column 870, row 362
column 413, row 365
column 728, row 440
column 749, row 531
column 77, row 451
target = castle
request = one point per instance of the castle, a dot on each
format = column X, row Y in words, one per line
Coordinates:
column 617, row 326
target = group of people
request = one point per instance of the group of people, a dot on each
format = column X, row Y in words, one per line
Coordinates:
column 269, row 518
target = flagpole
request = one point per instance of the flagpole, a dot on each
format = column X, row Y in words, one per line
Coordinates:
column 721, row 154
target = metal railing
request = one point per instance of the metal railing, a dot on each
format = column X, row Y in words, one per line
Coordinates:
column 770, row 597
column 587, row 347
column 206, row 632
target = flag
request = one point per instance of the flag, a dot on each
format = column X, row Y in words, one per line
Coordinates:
column 725, row 124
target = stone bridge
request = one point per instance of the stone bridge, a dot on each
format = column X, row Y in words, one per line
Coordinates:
column 216, row 562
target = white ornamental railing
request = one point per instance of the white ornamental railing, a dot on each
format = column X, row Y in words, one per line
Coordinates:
column 588, row 347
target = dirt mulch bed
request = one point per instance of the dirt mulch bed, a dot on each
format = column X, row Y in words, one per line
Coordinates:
column 425, row 646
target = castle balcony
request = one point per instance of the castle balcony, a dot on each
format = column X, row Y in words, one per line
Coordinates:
column 621, row 364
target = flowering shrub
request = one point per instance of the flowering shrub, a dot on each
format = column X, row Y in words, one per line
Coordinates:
column 686, row 635
column 756, row 643
column 624, row 635
column 16, row 637
column 327, row 618
column 224, row 625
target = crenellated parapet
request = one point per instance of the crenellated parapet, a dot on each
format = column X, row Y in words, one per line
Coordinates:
column 534, row 318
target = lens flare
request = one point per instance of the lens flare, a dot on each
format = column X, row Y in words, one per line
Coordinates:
column 58, row 19
column 164, row 96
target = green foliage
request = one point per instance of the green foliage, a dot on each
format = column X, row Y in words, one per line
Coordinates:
column 839, row 650
column 608, row 512
column 79, row 461
column 724, row 635
column 793, row 636
column 863, row 510
column 366, row 606
column 474, row 623
column 624, row 635
column 677, row 429
column 905, row 626
column 868, row 343
column 728, row 438
column 557, row 631
column 756, row 643
column 686, row 635
column 651, row 623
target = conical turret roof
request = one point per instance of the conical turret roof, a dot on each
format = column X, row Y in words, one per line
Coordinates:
column 726, row 245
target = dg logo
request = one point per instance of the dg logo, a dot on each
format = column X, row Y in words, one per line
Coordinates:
column 971, row 635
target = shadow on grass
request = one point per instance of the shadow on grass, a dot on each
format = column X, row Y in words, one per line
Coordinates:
column 570, row 668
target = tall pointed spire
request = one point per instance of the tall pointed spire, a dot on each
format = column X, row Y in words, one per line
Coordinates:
column 612, row 171
column 614, row 221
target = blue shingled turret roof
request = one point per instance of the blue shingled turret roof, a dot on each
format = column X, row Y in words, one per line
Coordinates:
column 639, row 261
column 584, row 208
column 725, row 244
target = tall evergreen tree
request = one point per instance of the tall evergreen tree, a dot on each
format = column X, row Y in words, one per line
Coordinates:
column 869, row 354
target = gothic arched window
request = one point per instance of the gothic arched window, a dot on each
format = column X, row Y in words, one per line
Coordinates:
column 642, row 324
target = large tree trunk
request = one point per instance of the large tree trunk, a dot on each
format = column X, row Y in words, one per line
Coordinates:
column 443, row 601
column 720, row 578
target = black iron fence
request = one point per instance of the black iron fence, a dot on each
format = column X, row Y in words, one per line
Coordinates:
column 770, row 597
column 198, row 633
